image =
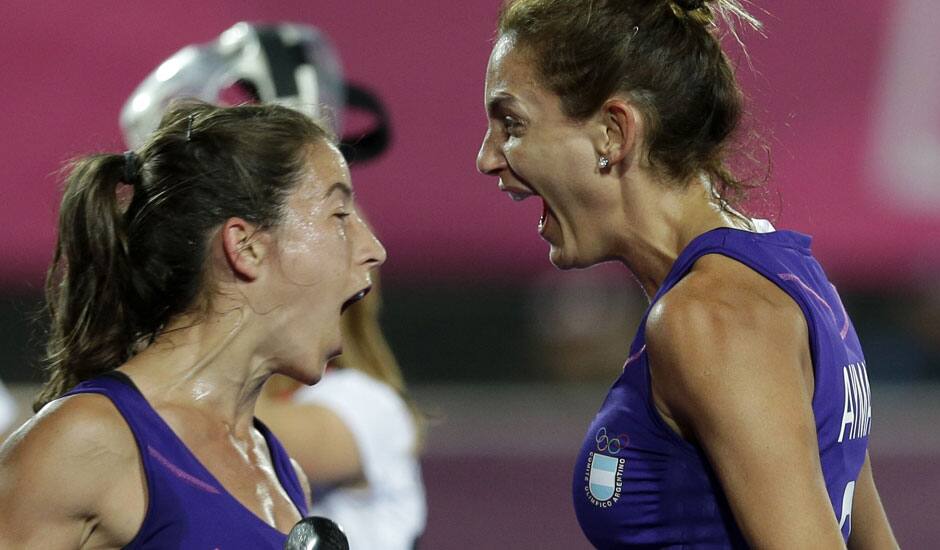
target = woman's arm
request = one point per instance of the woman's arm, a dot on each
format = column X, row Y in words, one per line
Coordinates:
column 870, row 528
column 316, row 438
column 71, row 478
column 731, row 371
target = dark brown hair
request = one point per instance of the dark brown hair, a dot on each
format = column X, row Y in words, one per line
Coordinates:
column 123, row 269
column 665, row 54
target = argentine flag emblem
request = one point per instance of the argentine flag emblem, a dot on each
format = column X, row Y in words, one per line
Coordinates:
column 603, row 477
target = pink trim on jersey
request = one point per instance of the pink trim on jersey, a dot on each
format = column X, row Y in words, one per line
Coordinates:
column 845, row 315
column 189, row 478
column 634, row 357
column 807, row 288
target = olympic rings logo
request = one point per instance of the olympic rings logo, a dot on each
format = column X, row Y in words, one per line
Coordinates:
column 612, row 445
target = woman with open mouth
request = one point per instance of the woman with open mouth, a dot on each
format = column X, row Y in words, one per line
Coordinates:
column 186, row 273
column 743, row 412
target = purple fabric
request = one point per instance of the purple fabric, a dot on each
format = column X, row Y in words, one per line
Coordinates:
column 637, row 483
column 187, row 507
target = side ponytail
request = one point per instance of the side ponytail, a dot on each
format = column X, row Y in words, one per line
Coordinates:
column 85, row 283
column 123, row 269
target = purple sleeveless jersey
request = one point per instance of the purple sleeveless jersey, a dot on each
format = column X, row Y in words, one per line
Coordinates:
column 638, row 484
column 187, row 507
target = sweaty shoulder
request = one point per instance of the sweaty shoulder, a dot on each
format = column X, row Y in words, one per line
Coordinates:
column 718, row 328
column 720, row 292
column 75, row 467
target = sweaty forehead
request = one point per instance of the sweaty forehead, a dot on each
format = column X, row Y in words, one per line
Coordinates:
column 326, row 173
column 511, row 76
column 510, row 69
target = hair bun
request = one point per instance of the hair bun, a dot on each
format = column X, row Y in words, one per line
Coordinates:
column 696, row 10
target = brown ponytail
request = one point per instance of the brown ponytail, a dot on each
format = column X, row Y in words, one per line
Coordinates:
column 122, row 271
column 84, row 286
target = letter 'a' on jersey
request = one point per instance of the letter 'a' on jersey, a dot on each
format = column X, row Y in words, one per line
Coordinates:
column 186, row 506
column 638, row 484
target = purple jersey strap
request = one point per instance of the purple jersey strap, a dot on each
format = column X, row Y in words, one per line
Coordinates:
column 187, row 507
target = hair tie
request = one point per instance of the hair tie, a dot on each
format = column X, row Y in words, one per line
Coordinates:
column 131, row 168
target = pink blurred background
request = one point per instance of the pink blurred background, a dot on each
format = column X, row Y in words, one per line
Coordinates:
column 820, row 88
column 848, row 95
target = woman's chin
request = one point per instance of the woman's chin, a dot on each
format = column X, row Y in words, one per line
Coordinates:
column 558, row 261
column 565, row 258
column 310, row 371
column 561, row 258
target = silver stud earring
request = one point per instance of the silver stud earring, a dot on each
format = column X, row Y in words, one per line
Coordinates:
column 603, row 162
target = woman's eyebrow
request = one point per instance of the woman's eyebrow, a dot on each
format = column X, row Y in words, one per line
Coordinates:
column 500, row 103
column 340, row 186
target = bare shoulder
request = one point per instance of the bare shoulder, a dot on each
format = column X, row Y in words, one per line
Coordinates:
column 731, row 370
column 81, row 427
column 725, row 304
column 721, row 327
column 65, row 465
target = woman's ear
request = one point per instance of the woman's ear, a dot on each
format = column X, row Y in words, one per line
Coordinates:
column 245, row 247
column 621, row 121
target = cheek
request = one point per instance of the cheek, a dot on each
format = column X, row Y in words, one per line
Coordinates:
column 531, row 160
column 314, row 256
column 557, row 156
column 318, row 265
column 514, row 153
column 575, row 194
column 588, row 205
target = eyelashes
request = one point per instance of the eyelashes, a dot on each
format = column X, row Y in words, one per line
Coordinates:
column 511, row 125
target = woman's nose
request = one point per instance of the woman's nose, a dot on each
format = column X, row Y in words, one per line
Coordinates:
column 373, row 252
column 489, row 158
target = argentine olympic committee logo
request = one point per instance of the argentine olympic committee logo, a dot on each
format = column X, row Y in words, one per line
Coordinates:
column 604, row 472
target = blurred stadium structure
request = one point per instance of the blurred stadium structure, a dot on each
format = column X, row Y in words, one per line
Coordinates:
column 512, row 357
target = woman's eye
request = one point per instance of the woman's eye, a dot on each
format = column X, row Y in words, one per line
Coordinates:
column 342, row 215
column 511, row 124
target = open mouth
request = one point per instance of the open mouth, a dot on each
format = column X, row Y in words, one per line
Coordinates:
column 355, row 298
column 519, row 195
